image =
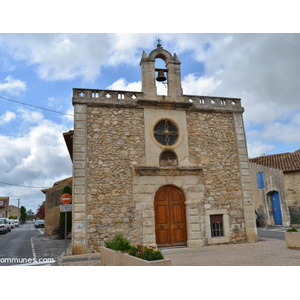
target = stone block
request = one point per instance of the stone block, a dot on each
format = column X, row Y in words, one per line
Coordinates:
column 149, row 230
column 195, row 243
column 77, row 156
column 149, row 239
column 149, row 213
column 143, row 198
column 78, row 217
column 78, row 199
column 79, row 189
column 193, row 212
column 79, row 173
column 80, row 108
column 78, row 234
column 79, row 165
column 79, row 225
column 79, row 207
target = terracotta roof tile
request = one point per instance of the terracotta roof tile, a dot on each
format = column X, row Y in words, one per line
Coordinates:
column 58, row 184
column 4, row 201
column 287, row 162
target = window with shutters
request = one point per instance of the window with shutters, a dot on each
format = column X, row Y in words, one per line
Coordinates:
column 216, row 225
column 260, row 180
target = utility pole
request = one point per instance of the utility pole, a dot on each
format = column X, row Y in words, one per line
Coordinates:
column 18, row 209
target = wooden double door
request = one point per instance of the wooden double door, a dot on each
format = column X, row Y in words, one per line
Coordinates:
column 170, row 220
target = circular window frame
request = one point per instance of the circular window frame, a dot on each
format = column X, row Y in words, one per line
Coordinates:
column 179, row 137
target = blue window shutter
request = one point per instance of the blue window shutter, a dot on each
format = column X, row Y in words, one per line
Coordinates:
column 260, row 180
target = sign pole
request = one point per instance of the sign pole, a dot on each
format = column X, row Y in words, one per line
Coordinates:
column 65, row 199
column 66, row 232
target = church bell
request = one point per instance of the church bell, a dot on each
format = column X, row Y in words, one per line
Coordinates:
column 161, row 76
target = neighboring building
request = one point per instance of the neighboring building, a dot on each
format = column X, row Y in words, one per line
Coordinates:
column 13, row 211
column 276, row 188
column 4, row 202
column 170, row 170
column 52, row 204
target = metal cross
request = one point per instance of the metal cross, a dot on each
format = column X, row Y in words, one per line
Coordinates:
column 158, row 41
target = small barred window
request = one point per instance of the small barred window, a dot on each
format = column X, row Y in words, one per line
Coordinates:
column 216, row 225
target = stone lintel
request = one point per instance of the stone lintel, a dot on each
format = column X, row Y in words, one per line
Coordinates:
column 163, row 171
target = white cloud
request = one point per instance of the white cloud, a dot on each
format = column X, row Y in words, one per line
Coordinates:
column 262, row 69
column 7, row 117
column 284, row 131
column 60, row 56
column 258, row 148
column 37, row 157
column 193, row 85
column 12, row 86
column 123, row 85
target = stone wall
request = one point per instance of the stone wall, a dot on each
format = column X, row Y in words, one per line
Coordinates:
column 52, row 206
column 213, row 144
column 119, row 200
column 292, row 183
column 273, row 182
column 115, row 145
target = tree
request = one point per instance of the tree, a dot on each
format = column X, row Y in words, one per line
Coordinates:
column 23, row 214
column 40, row 214
column 30, row 214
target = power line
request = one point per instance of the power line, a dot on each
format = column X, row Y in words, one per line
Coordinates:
column 283, row 151
column 28, row 186
column 23, row 103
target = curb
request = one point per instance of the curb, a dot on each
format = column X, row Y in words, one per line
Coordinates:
column 92, row 259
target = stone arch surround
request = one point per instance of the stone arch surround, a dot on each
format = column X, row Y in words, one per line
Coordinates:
column 144, row 189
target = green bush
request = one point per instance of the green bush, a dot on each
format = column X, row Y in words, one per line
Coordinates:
column 118, row 243
column 292, row 230
column 144, row 252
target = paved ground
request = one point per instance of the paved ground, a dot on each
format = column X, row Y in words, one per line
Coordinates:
column 48, row 247
column 266, row 252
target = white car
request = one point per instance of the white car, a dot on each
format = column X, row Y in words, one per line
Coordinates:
column 12, row 223
column 8, row 223
column 4, row 225
column 17, row 223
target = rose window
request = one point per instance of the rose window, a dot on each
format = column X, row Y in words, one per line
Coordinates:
column 166, row 133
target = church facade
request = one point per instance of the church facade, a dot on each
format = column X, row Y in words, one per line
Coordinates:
column 166, row 170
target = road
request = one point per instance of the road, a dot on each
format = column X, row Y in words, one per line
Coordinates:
column 27, row 245
column 18, row 243
column 273, row 232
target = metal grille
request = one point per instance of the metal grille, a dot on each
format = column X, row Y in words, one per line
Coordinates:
column 216, row 225
column 166, row 133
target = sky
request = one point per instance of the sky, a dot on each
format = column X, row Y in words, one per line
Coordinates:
column 39, row 70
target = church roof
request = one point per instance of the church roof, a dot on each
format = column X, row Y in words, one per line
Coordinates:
column 287, row 162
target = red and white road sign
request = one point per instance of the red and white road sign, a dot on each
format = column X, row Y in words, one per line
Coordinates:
column 65, row 199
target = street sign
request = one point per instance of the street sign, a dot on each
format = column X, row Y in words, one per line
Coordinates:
column 66, row 199
column 66, row 208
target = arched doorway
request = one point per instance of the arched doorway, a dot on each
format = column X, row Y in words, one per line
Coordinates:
column 170, row 220
column 276, row 208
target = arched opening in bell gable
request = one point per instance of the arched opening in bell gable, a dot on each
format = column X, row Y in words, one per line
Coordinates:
column 161, row 86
